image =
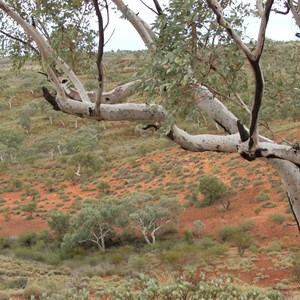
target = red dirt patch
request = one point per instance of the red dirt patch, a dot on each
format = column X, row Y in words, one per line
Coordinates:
column 175, row 163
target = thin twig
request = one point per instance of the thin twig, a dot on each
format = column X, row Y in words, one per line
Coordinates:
column 149, row 7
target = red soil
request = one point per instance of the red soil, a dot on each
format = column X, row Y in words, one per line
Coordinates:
column 242, row 206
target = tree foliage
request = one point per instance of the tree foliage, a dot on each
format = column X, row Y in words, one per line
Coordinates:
column 59, row 222
column 212, row 188
column 95, row 223
column 150, row 214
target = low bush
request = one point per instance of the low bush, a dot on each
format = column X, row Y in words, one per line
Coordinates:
column 4, row 242
column 18, row 283
column 4, row 295
column 33, row 291
column 188, row 236
column 137, row 262
column 263, row 196
column 277, row 218
column 171, row 256
column 28, row 239
column 184, row 286
column 237, row 235
column 296, row 267
column 116, row 258
column 213, row 189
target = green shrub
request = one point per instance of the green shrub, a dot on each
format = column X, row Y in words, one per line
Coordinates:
column 116, row 258
column 257, row 211
column 184, row 286
column 263, row 196
column 4, row 242
column 44, row 236
column 33, row 291
column 277, row 218
column 237, row 235
column 171, row 256
column 211, row 248
column 296, row 267
column 188, row 236
column 198, row 228
column 212, row 188
column 246, row 225
column 103, row 185
column 136, row 262
column 225, row 232
column 4, row 295
column 18, row 283
column 275, row 246
column 28, row 239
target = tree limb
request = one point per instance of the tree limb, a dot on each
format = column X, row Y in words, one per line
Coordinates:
column 217, row 9
column 294, row 11
column 27, row 44
column 158, row 7
column 99, row 57
column 141, row 26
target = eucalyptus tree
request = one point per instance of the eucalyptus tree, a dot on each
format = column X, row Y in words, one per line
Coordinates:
column 95, row 223
column 198, row 63
column 149, row 215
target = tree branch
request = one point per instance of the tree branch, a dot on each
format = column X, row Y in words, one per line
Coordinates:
column 294, row 11
column 158, row 7
column 217, row 9
column 141, row 26
column 99, row 57
column 117, row 95
column 27, row 44
column 150, row 8
column 47, row 55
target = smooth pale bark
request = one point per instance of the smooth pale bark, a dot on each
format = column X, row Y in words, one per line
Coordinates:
column 142, row 27
column 290, row 176
column 117, row 95
column 295, row 11
column 116, row 112
column 47, row 55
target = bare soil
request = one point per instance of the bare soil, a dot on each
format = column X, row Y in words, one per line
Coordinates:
column 253, row 178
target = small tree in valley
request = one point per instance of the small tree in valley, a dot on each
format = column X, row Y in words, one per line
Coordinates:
column 212, row 188
column 198, row 228
column 30, row 208
column 95, row 223
column 149, row 214
column 59, row 222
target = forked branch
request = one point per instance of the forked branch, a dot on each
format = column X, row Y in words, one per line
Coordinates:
column 253, row 57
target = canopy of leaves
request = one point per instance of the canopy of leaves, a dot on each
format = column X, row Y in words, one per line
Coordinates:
column 65, row 24
column 212, row 188
column 150, row 214
column 192, row 45
column 59, row 222
column 150, row 209
column 96, row 221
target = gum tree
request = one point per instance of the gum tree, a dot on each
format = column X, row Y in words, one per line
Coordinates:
column 149, row 215
column 199, row 62
column 95, row 223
